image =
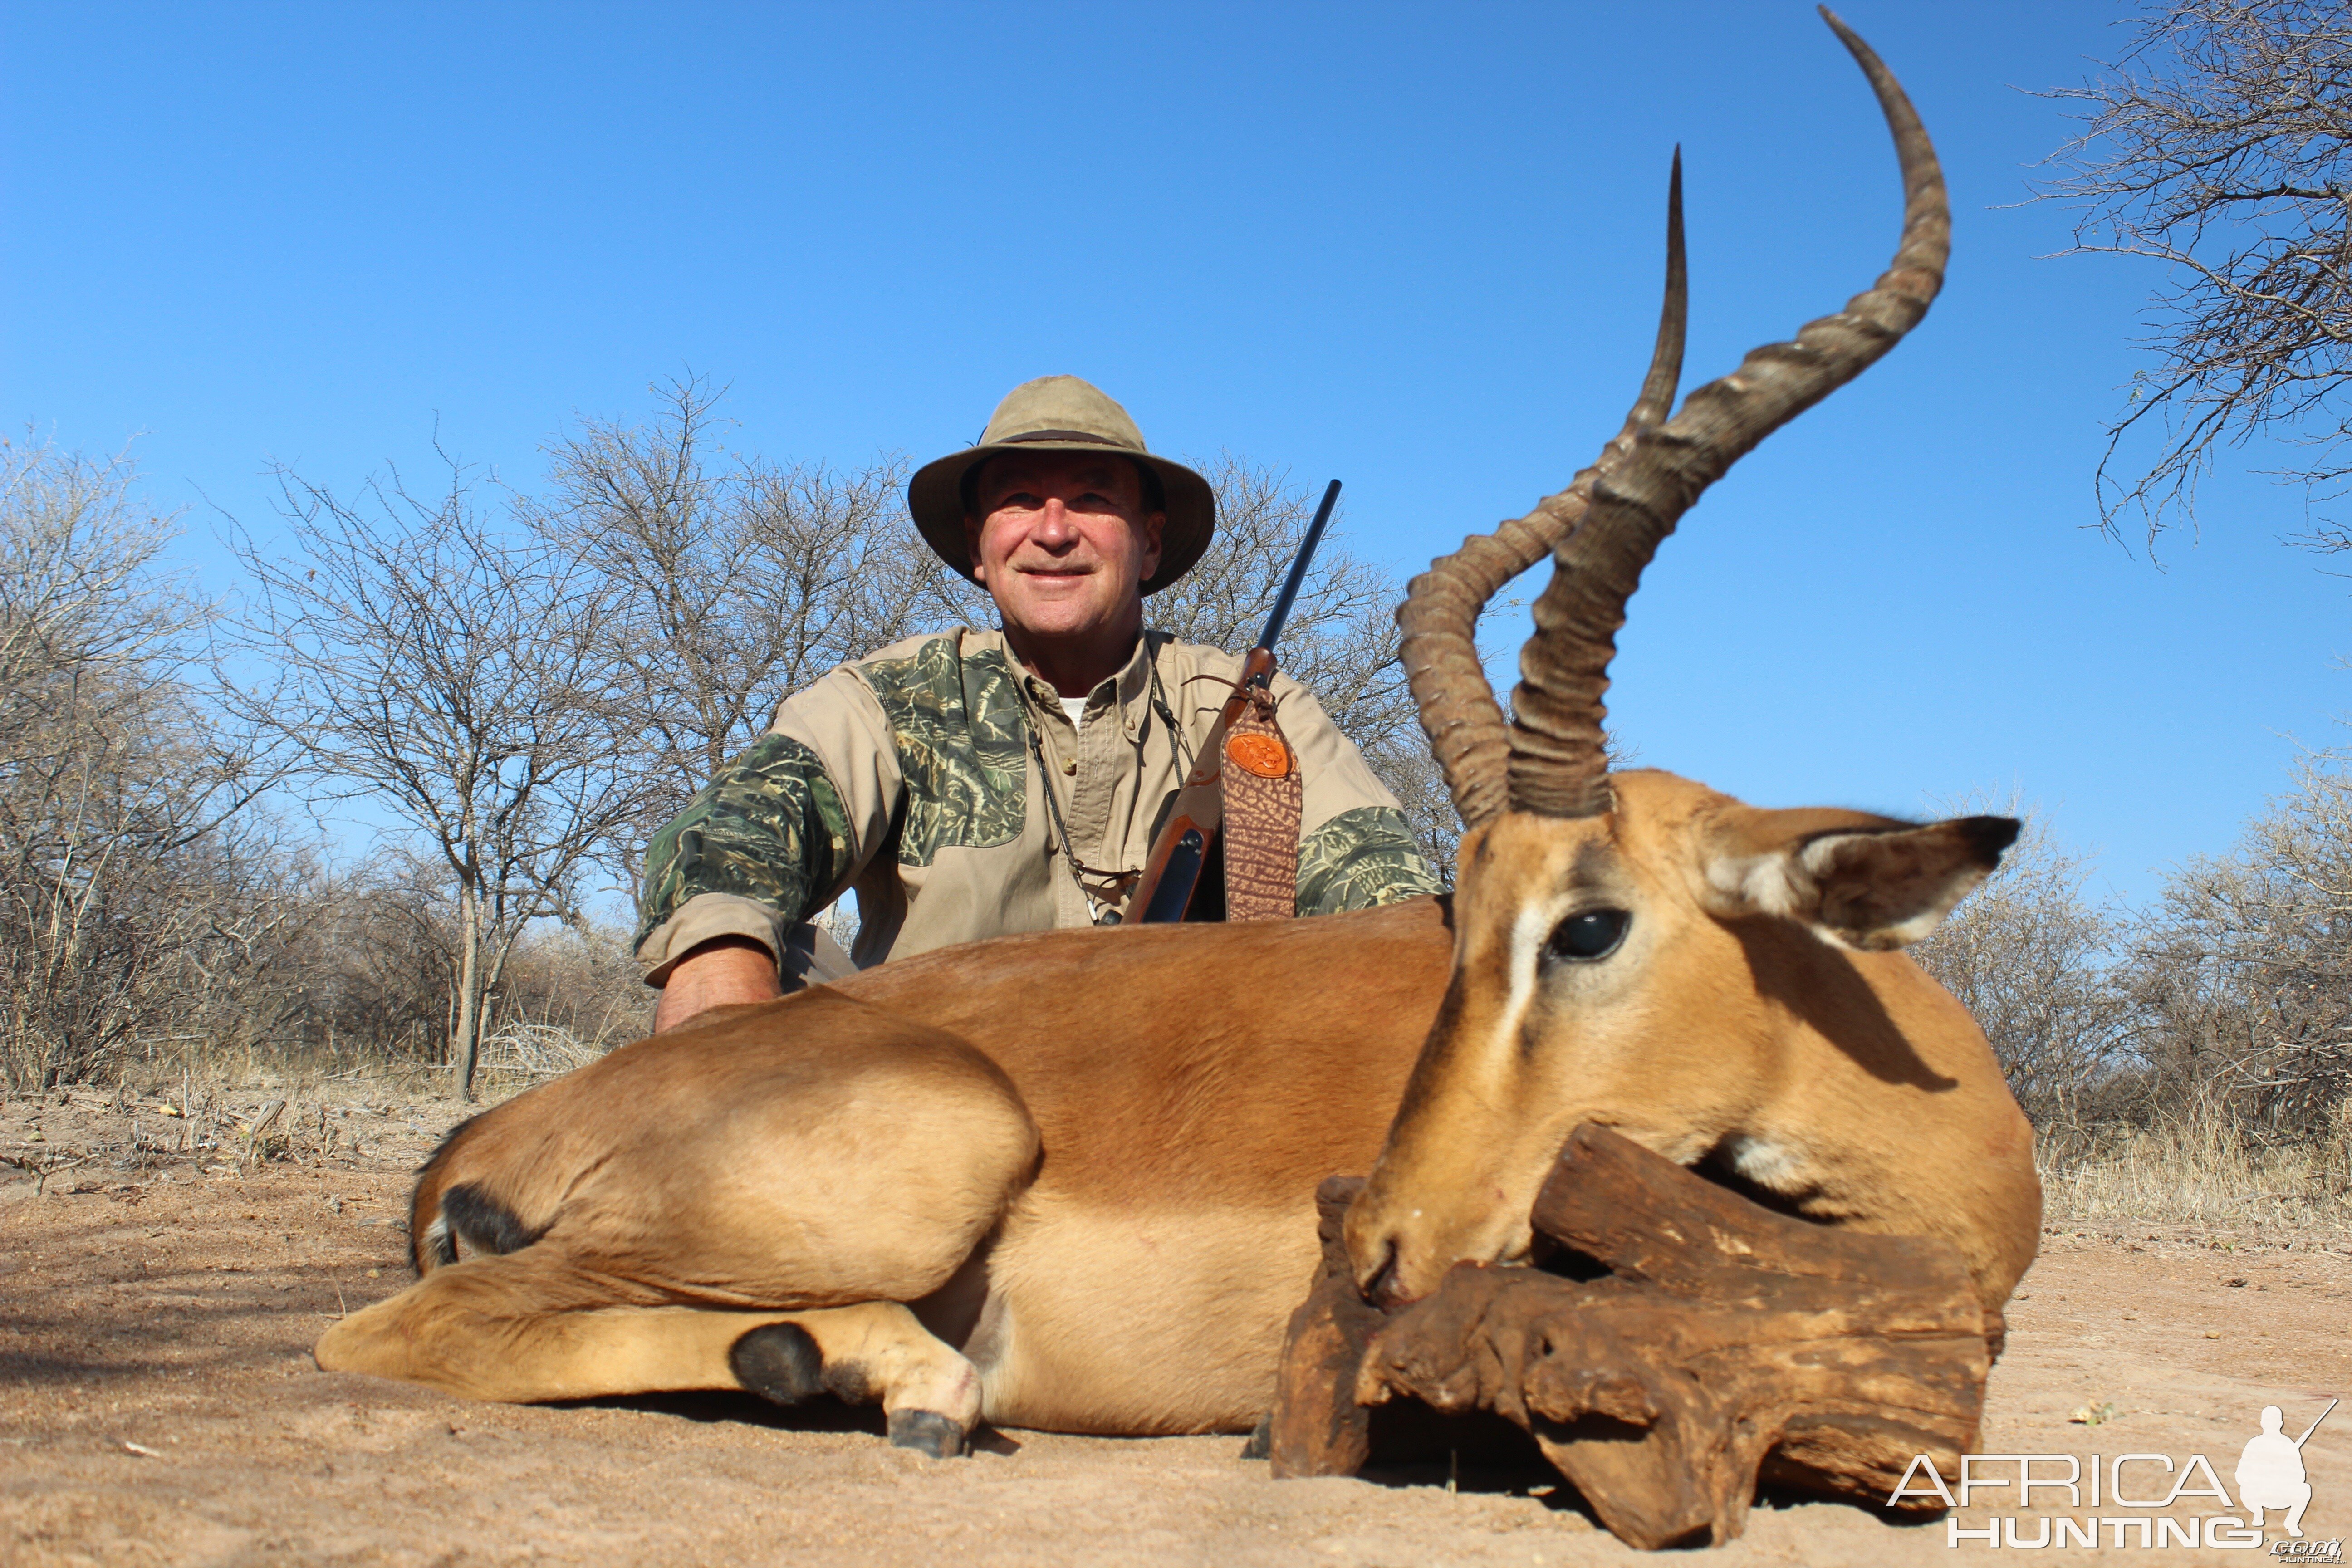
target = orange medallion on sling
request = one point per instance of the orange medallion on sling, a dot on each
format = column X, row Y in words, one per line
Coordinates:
column 1258, row 753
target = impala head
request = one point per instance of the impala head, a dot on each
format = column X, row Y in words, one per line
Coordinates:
column 1632, row 949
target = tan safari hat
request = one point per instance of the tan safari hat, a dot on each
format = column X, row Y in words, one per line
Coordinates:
column 1062, row 414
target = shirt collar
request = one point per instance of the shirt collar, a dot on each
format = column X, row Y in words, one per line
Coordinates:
column 1130, row 687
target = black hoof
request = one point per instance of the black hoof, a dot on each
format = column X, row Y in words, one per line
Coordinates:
column 778, row 1361
column 926, row 1432
column 1261, row 1440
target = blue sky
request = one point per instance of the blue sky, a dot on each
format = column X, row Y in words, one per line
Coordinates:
column 1416, row 247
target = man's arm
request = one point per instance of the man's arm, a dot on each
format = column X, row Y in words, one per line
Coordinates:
column 719, row 972
column 1364, row 857
column 766, row 843
column 774, row 838
column 1356, row 850
column 758, row 849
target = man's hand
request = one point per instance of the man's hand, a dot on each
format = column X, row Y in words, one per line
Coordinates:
column 720, row 972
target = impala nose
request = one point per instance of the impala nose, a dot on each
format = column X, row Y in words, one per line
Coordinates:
column 1388, row 1292
column 1384, row 1287
column 1381, row 1288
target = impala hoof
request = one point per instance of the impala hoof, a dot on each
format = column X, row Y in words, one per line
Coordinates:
column 778, row 1361
column 926, row 1431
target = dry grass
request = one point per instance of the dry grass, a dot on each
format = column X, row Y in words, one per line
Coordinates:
column 2198, row 1174
column 522, row 1054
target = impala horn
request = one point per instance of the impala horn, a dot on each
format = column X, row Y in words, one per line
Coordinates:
column 1439, row 618
column 1552, row 758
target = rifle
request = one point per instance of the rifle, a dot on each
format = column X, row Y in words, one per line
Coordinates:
column 1182, row 851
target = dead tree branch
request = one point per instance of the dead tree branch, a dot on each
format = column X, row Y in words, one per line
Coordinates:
column 2217, row 145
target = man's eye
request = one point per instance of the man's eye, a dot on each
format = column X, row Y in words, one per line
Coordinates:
column 1582, row 938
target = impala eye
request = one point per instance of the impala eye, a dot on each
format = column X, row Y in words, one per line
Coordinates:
column 1593, row 934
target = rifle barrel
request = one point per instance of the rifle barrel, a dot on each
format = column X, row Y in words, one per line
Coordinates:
column 1281, row 612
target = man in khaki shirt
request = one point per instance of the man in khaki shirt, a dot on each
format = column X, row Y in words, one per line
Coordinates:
column 977, row 784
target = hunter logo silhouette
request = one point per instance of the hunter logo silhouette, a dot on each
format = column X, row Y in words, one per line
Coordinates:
column 2270, row 1470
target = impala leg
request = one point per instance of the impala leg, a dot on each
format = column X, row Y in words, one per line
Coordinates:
column 833, row 1181
column 875, row 1352
column 529, row 1326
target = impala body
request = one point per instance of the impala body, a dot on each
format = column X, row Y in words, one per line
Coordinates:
column 1065, row 1180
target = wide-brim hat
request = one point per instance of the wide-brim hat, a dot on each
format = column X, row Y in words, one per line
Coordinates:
column 1062, row 414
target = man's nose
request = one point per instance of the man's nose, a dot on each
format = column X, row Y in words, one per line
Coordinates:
column 1053, row 524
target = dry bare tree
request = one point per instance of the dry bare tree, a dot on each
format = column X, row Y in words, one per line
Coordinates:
column 457, row 672
column 121, row 859
column 2033, row 959
column 2217, row 144
column 734, row 580
column 359, row 975
column 2245, row 976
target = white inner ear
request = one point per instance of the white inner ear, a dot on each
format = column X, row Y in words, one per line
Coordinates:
column 1775, row 1166
column 1789, row 884
column 1785, row 884
column 1921, row 926
column 1763, row 884
column 1815, row 860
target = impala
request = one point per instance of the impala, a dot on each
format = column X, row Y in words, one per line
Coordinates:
column 1066, row 1180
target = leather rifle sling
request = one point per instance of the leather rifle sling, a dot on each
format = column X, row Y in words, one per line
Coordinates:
column 1264, row 796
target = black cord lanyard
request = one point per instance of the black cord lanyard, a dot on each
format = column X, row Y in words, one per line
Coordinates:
column 1062, row 828
column 1176, row 741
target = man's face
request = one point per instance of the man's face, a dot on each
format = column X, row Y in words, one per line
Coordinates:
column 1062, row 544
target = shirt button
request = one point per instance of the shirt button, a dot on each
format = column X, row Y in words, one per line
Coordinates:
column 1070, row 768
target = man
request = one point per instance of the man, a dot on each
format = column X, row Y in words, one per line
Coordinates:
column 976, row 784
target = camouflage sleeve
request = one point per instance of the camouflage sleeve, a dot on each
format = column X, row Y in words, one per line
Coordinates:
column 769, row 829
column 1359, row 858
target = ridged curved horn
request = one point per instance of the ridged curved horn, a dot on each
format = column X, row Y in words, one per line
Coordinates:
column 1558, row 763
column 1439, row 616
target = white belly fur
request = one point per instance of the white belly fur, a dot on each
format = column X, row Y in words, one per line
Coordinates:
column 1139, row 1320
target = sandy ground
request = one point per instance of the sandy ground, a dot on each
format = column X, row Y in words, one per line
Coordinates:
column 158, row 1404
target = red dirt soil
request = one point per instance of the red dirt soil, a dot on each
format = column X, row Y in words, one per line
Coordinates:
column 158, row 1404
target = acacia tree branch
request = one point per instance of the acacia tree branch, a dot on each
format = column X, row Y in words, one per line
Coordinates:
column 2216, row 145
column 456, row 671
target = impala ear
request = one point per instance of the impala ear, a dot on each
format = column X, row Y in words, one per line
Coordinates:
column 1867, row 882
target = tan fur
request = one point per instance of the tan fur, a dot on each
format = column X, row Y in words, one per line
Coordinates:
column 1728, row 1024
column 1085, row 1158
column 829, row 1147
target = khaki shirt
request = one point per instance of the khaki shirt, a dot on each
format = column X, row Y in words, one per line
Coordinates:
column 912, row 776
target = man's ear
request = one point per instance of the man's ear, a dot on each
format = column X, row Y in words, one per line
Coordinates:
column 978, row 573
column 1862, row 882
column 1154, row 525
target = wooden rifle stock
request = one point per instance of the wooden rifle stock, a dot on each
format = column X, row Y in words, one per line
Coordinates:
column 1173, row 875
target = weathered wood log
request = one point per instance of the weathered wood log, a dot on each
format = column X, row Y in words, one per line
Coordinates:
column 1318, row 1428
column 1724, row 1342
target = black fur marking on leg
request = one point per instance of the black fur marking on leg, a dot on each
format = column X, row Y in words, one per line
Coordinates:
column 432, row 1245
column 1261, row 1439
column 483, row 1223
column 778, row 1361
column 848, row 1383
column 926, row 1431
